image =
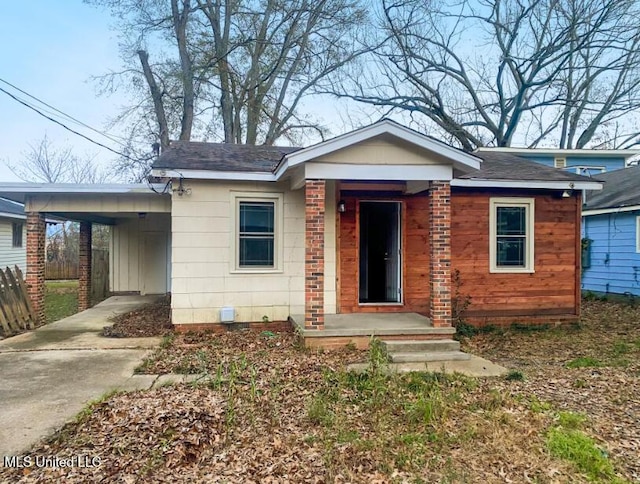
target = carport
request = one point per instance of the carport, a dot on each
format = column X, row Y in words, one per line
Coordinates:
column 140, row 244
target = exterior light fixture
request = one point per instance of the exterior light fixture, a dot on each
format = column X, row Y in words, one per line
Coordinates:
column 342, row 206
column 566, row 194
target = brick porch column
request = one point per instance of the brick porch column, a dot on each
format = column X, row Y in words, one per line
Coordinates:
column 314, row 254
column 84, row 267
column 35, row 263
column 440, row 238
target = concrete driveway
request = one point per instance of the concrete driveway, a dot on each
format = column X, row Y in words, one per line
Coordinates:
column 48, row 375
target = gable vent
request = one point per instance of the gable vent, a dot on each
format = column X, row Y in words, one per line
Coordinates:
column 560, row 162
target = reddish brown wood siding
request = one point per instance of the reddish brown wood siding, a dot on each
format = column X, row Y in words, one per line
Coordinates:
column 415, row 255
column 551, row 293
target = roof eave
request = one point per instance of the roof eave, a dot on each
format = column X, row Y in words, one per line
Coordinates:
column 540, row 184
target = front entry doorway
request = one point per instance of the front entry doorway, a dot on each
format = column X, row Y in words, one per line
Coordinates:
column 379, row 255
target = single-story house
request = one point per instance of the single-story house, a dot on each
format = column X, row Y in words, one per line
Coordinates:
column 12, row 235
column 611, row 234
column 581, row 161
column 338, row 236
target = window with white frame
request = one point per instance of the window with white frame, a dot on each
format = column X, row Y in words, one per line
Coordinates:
column 17, row 228
column 511, row 234
column 257, row 226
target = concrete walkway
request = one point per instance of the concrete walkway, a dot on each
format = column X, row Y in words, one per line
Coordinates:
column 48, row 375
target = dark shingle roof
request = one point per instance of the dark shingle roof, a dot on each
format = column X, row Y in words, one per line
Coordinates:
column 505, row 166
column 191, row 155
column 621, row 189
column 7, row 206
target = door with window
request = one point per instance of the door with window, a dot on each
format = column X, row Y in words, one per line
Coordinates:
column 379, row 254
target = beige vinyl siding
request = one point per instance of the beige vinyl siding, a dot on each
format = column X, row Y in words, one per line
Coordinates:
column 9, row 255
column 204, row 275
column 127, row 260
column 380, row 151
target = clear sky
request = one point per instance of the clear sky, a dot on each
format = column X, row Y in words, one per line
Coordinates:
column 51, row 49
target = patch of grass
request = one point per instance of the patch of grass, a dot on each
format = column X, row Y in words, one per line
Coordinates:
column 90, row 407
column 514, row 375
column 529, row 328
column 571, row 420
column 60, row 299
column 584, row 362
column 620, row 348
column 580, row 449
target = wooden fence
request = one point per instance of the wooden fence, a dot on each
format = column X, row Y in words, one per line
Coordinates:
column 57, row 270
column 99, row 275
column 16, row 311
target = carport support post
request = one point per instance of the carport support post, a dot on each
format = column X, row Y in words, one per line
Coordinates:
column 84, row 267
column 314, row 255
column 35, row 263
column 440, row 243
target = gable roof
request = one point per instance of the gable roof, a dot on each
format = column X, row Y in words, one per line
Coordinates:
column 9, row 209
column 621, row 190
column 459, row 158
column 193, row 155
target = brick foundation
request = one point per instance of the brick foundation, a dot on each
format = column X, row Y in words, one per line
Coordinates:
column 276, row 326
column 440, row 261
column 314, row 254
column 35, row 263
column 84, row 267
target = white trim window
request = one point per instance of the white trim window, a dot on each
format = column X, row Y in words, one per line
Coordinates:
column 16, row 234
column 257, row 238
column 511, row 237
column 638, row 234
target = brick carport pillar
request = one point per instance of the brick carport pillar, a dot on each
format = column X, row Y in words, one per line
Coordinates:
column 440, row 244
column 84, row 267
column 314, row 254
column 35, row 263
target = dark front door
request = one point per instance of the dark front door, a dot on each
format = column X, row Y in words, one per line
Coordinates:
column 379, row 257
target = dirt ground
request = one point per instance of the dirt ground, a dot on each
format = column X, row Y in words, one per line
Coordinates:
column 265, row 410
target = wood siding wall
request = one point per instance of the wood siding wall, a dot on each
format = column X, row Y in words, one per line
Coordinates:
column 9, row 255
column 415, row 255
column 551, row 292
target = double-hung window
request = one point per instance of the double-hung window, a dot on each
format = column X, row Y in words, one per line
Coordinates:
column 257, row 240
column 511, row 222
column 17, row 228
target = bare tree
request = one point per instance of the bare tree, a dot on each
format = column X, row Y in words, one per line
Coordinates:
column 43, row 162
column 235, row 70
column 498, row 72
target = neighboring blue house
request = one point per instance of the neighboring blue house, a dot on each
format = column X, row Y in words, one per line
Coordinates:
column 581, row 162
column 611, row 223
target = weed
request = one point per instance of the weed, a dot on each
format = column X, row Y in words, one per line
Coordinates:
column 575, row 446
column 265, row 319
column 538, row 406
column 579, row 383
column 620, row 348
column 584, row 362
column 167, row 340
column 459, row 305
column 269, row 334
column 571, row 420
column 514, row 375
column 89, row 408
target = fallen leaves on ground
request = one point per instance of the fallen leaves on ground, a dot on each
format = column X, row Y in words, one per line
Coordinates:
column 265, row 410
column 151, row 320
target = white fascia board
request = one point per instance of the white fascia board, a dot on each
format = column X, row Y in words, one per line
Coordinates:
column 341, row 171
column 12, row 215
column 601, row 211
column 71, row 188
column 215, row 175
column 459, row 158
column 547, row 185
column 562, row 152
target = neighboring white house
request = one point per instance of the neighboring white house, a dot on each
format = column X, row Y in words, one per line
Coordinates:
column 13, row 235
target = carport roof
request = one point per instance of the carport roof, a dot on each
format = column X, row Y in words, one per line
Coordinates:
column 18, row 192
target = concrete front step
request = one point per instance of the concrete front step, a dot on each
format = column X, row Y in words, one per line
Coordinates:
column 420, row 357
column 422, row 346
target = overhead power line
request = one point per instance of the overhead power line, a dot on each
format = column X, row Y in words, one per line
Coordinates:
column 119, row 153
column 69, row 117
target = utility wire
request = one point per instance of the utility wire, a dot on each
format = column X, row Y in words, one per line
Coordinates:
column 68, row 128
column 69, row 117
